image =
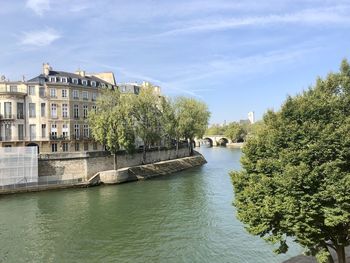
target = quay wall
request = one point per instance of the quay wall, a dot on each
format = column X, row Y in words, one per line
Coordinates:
column 70, row 166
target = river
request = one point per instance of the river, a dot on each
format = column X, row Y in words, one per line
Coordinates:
column 185, row 217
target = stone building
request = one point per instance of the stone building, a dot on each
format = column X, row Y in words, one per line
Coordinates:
column 50, row 110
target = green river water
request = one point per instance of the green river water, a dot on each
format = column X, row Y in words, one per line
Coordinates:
column 184, row 217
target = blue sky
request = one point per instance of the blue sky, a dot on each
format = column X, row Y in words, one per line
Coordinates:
column 237, row 56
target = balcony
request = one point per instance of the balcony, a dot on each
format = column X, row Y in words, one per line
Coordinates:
column 59, row 138
column 7, row 117
column 7, row 89
column 10, row 138
column 20, row 116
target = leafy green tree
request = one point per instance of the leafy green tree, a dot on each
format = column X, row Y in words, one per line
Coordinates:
column 236, row 132
column 147, row 115
column 295, row 180
column 216, row 130
column 111, row 125
column 193, row 117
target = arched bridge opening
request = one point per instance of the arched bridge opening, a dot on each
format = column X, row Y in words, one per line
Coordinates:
column 208, row 142
column 222, row 142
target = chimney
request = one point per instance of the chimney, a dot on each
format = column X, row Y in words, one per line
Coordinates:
column 46, row 69
column 80, row 72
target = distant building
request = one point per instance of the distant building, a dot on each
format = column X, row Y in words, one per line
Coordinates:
column 50, row 111
column 251, row 117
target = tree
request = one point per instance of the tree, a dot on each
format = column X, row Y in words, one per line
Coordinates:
column 147, row 116
column 236, row 132
column 193, row 117
column 111, row 125
column 216, row 130
column 295, row 180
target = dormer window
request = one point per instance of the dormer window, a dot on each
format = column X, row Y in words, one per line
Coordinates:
column 75, row 81
column 84, row 82
column 93, row 83
column 64, row 79
column 52, row 79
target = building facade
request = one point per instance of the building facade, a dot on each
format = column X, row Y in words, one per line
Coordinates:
column 50, row 111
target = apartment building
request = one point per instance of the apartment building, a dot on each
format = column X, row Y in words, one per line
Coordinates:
column 50, row 111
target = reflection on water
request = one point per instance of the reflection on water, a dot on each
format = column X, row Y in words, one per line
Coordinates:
column 186, row 217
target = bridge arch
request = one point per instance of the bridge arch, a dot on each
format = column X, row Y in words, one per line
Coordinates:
column 208, row 141
column 222, row 141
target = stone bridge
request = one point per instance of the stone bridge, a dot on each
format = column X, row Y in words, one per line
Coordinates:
column 213, row 140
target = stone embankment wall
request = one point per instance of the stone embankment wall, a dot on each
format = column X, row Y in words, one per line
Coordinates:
column 84, row 165
column 142, row 172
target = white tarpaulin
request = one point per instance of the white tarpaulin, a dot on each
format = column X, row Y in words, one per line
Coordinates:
column 18, row 165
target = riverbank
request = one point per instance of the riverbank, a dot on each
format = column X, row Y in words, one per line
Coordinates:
column 123, row 175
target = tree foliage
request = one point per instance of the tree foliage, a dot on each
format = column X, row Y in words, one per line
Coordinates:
column 156, row 120
column 192, row 119
column 295, row 180
column 147, row 115
column 110, row 124
column 236, row 132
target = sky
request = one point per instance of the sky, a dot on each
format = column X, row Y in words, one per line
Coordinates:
column 237, row 56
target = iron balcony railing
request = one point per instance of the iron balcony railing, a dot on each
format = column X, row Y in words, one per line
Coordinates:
column 7, row 116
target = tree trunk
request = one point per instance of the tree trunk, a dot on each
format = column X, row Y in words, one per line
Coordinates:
column 115, row 161
column 144, row 154
column 177, row 148
column 191, row 147
column 341, row 254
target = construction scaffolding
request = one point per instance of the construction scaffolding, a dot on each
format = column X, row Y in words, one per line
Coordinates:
column 18, row 166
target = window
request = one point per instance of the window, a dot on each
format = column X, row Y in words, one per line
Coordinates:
column 7, row 110
column 20, row 132
column 42, row 92
column 85, row 95
column 76, row 146
column 31, row 90
column 93, row 96
column 86, row 131
column 76, row 111
column 94, row 107
column 53, row 132
column 84, row 82
column 32, row 110
column 53, row 110
column 20, row 110
column 65, row 110
column 13, row 88
column 52, row 79
column 65, row 147
column 8, row 132
column 65, row 130
column 86, row 146
column 54, row 147
column 85, row 111
column 75, row 94
column 76, row 131
column 32, row 132
column 64, row 79
column 53, row 93
column 42, row 109
column 75, row 81
column 64, row 93
column 43, row 130
column 93, row 83
column 94, row 146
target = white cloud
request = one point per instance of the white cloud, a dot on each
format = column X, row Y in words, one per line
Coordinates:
column 39, row 38
column 38, row 6
column 326, row 16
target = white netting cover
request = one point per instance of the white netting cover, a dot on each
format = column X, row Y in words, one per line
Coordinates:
column 18, row 165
